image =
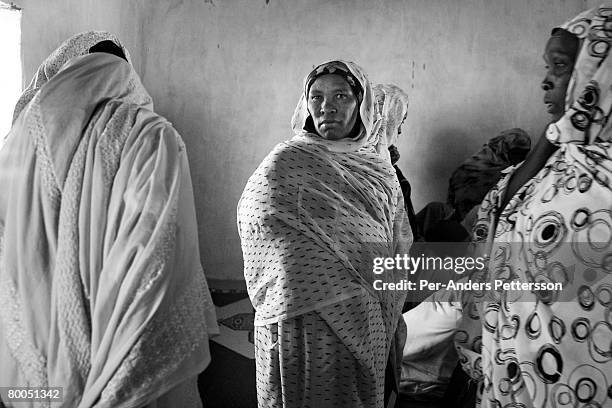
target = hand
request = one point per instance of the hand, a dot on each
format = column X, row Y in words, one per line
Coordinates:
column 394, row 154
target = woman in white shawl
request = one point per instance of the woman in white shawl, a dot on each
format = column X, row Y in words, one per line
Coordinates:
column 101, row 288
column 311, row 218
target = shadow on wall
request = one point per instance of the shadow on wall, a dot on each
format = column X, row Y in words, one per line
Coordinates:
column 453, row 133
column 437, row 163
column 460, row 142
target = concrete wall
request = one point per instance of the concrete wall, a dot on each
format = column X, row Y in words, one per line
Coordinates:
column 10, row 69
column 228, row 74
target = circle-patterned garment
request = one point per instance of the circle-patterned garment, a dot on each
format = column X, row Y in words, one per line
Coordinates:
column 547, row 348
column 551, row 348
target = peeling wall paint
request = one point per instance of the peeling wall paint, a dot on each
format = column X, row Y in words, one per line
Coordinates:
column 228, row 75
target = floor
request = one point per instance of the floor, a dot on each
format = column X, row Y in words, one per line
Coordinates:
column 229, row 380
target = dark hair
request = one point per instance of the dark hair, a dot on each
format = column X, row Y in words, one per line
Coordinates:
column 335, row 68
column 571, row 38
column 108, row 47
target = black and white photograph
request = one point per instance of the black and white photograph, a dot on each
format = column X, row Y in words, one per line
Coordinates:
column 305, row 204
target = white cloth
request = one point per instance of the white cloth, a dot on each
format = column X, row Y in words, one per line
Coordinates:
column 428, row 357
column 391, row 110
column 432, row 323
column 368, row 137
column 341, row 197
column 320, row 217
column 101, row 287
column 75, row 46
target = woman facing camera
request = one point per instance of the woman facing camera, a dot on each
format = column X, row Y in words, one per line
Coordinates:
column 101, row 289
column 311, row 217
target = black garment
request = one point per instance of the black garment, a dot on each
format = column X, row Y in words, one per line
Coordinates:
column 108, row 47
column 406, row 191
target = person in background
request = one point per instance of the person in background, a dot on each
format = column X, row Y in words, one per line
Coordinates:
column 101, row 286
column 473, row 179
column 406, row 192
column 308, row 217
column 470, row 182
column 392, row 108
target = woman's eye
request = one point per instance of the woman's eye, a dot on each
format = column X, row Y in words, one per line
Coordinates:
column 315, row 97
column 341, row 96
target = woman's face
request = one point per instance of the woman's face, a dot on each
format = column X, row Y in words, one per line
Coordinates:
column 333, row 106
column 560, row 56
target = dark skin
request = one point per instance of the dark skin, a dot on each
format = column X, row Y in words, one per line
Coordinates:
column 560, row 56
column 394, row 153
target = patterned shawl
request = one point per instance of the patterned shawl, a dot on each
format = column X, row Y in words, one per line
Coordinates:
column 552, row 348
column 311, row 218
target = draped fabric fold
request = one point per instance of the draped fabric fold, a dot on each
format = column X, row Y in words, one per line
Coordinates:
column 473, row 179
column 552, row 348
column 321, row 198
column 311, row 218
column 101, row 288
column 392, row 108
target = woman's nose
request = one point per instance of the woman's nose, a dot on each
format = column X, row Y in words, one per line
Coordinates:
column 328, row 106
column 547, row 85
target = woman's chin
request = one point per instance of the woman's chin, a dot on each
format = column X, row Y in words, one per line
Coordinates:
column 555, row 116
column 331, row 135
column 554, row 112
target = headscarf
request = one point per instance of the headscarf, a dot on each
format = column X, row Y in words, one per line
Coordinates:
column 588, row 97
column 335, row 68
column 367, row 138
column 473, row 179
column 75, row 46
column 101, row 287
column 392, row 107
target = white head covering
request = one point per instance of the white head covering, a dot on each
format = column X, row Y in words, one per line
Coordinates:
column 107, row 244
column 75, row 46
column 535, row 348
column 589, row 95
column 367, row 137
column 392, row 107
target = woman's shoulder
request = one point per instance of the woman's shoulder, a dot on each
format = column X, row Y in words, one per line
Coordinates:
column 288, row 164
column 285, row 156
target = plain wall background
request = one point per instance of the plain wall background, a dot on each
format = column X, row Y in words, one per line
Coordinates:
column 228, row 75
